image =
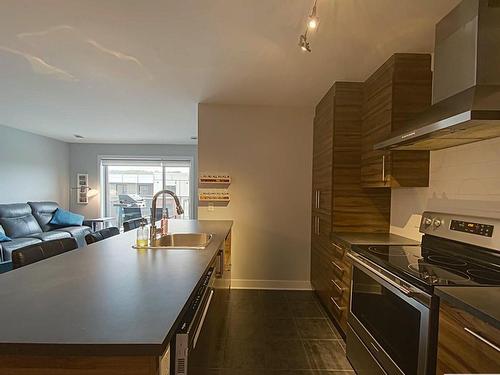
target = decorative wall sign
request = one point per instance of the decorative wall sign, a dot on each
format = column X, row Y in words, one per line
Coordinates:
column 214, row 181
column 214, row 197
column 213, row 189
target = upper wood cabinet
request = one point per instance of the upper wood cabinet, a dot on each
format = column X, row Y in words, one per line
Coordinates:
column 466, row 344
column 336, row 184
column 399, row 89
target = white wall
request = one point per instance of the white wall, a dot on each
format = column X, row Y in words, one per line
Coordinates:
column 268, row 153
column 33, row 168
column 84, row 158
column 463, row 179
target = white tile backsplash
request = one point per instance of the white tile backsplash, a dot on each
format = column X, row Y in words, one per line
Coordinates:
column 463, row 179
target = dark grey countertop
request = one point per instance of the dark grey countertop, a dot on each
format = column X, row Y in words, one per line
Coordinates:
column 481, row 301
column 352, row 238
column 104, row 299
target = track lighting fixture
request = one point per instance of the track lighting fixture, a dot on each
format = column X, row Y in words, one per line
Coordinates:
column 313, row 20
column 303, row 43
column 312, row 24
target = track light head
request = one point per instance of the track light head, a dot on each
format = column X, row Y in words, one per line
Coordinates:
column 304, row 44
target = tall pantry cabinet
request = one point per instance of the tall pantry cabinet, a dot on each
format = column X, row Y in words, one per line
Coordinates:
column 339, row 203
column 351, row 187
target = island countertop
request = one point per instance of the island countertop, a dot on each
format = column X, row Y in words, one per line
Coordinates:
column 104, row 299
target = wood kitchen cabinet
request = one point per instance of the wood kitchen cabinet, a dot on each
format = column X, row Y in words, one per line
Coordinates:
column 395, row 92
column 466, row 344
column 339, row 203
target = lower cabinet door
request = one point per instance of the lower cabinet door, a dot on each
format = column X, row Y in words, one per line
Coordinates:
column 466, row 344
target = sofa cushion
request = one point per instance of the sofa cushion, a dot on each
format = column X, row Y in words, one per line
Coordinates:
column 43, row 213
column 17, row 243
column 17, row 220
column 49, row 236
column 78, row 233
column 64, row 218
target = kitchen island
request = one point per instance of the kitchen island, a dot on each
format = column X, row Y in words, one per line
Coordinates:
column 103, row 309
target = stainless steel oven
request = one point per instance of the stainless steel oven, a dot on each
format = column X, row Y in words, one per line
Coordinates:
column 389, row 322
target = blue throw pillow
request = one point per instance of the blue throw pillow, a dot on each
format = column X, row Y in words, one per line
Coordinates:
column 63, row 218
column 4, row 238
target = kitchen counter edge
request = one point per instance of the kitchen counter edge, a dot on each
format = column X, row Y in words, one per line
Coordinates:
column 348, row 239
column 480, row 301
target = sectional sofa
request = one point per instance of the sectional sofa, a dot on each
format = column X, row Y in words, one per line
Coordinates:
column 29, row 223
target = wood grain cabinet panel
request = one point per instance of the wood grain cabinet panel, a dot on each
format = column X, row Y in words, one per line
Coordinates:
column 322, row 155
column 394, row 93
column 466, row 344
column 79, row 365
column 339, row 203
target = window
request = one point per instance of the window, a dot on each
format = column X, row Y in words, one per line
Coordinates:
column 130, row 184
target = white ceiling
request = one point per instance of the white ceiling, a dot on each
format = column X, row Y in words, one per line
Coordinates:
column 133, row 71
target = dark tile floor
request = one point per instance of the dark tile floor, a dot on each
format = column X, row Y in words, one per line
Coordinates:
column 264, row 332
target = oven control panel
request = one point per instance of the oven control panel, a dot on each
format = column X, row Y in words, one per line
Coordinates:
column 473, row 228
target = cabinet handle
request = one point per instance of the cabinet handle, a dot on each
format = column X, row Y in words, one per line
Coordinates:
column 342, row 250
column 339, row 288
column 481, row 338
column 337, row 306
column 339, row 269
column 383, row 168
column 316, row 225
column 318, row 199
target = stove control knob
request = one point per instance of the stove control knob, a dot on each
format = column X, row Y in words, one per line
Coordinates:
column 437, row 223
column 427, row 221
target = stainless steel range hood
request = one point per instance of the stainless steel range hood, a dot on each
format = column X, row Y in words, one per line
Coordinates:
column 466, row 82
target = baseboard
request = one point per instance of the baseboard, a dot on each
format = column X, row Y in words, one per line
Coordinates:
column 271, row 284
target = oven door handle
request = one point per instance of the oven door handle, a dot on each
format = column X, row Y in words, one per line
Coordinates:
column 203, row 316
column 401, row 288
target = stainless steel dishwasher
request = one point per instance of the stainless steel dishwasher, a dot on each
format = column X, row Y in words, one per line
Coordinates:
column 191, row 325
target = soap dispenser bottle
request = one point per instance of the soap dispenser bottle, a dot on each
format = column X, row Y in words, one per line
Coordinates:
column 142, row 235
column 164, row 222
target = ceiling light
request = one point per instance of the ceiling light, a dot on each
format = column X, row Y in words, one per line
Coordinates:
column 313, row 20
column 303, row 43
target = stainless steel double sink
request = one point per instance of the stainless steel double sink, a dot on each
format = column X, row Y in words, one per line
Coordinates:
column 190, row 241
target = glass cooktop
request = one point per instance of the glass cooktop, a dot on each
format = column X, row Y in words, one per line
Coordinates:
column 433, row 267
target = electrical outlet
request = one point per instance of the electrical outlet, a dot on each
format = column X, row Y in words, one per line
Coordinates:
column 211, row 207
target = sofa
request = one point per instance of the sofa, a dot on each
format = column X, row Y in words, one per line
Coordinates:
column 29, row 223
